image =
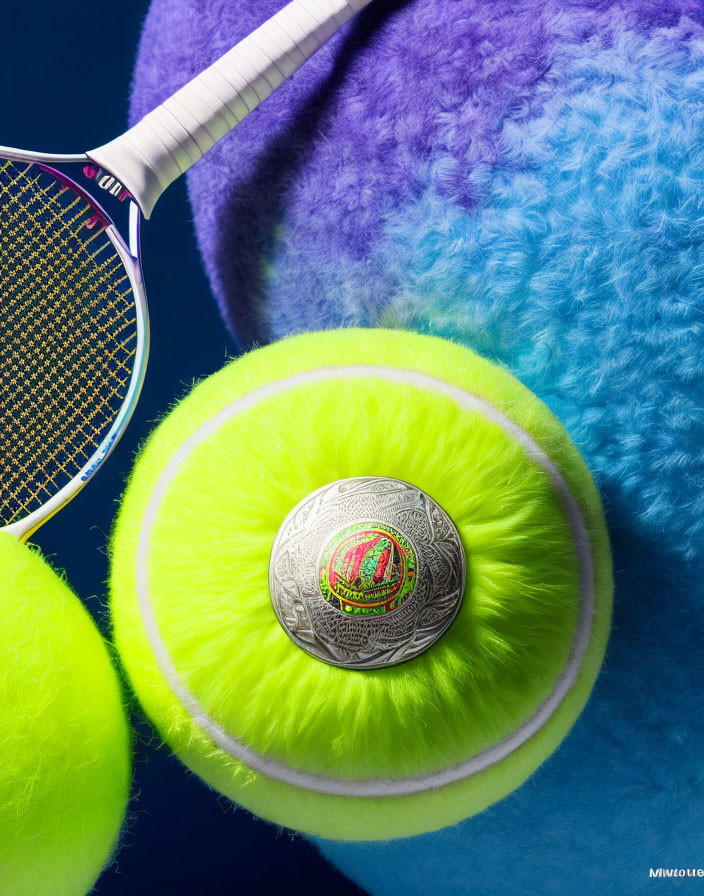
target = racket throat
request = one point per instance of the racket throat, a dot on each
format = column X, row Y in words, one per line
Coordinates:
column 174, row 136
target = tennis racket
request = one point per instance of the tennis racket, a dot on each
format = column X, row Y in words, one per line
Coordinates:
column 74, row 330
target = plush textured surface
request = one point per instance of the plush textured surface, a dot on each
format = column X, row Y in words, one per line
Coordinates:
column 527, row 177
column 201, row 541
column 64, row 744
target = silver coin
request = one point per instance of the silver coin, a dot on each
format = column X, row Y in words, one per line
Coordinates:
column 367, row 572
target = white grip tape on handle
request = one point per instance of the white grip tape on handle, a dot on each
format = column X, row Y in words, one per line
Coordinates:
column 167, row 141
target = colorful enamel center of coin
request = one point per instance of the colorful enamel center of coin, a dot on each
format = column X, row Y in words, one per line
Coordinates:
column 367, row 569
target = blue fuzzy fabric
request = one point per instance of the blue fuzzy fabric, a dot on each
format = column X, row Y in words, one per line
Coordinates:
column 526, row 178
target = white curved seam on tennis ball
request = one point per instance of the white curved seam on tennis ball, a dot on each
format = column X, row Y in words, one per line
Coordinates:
column 370, row 787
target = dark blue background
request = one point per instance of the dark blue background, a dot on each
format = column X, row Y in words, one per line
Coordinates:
column 66, row 70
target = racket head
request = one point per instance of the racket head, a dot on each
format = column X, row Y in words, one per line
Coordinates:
column 74, row 331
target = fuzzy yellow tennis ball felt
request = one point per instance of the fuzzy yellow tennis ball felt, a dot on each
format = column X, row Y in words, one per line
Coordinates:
column 64, row 742
column 360, row 753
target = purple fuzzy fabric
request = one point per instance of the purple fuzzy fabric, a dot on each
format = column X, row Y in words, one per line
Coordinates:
column 346, row 140
column 527, row 178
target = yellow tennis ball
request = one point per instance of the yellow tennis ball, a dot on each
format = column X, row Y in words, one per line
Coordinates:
column 262, row 476
column 64, row 742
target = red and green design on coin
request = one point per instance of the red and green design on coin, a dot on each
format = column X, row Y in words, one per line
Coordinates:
column 367, row 569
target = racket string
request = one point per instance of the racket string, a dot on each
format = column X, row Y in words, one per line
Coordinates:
column 67, row 335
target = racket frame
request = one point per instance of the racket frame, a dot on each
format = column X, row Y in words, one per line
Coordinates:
column 130, row 255
column 162, row 146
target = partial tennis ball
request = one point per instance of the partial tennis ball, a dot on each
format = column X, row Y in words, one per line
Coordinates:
column 64, row 742
column 360, row 753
